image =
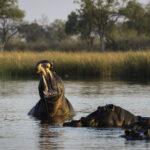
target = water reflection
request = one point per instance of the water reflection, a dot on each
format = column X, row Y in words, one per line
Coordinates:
column 57, row 120
column 107, row 88
column 47, row 137
column 24, row 132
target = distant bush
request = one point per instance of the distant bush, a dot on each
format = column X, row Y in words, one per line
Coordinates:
column 128, row 44
column 113, row 44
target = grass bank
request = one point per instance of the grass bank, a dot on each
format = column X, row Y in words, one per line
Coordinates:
column 123, row 65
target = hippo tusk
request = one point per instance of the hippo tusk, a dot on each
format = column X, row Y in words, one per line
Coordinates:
column 50, row 74
column 45, row 83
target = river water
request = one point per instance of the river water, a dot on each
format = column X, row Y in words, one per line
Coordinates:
column 19, row 131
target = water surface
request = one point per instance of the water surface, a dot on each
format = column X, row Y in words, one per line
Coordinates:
column 19, row 131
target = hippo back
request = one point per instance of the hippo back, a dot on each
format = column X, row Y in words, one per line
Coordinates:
column 105, row 116
column 111, row 115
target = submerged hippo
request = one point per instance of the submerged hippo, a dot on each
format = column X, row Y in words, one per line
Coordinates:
column 53, row 103
column 105, row 116
column 139, row 130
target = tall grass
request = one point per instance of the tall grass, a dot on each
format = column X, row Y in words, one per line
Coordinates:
column 79, row 64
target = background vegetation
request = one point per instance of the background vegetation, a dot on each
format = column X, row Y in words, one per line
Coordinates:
column 97, row 25
column 121, row 65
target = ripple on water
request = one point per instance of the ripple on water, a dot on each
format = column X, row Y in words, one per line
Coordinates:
column 23, row 132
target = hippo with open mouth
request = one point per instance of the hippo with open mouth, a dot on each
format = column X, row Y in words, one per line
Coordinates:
column 53, row 103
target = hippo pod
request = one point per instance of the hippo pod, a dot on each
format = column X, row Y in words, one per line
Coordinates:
column 105, row 116
column 139, row 130
column 53, row 102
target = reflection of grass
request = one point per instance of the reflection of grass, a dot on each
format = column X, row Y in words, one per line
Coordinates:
column 80, row 64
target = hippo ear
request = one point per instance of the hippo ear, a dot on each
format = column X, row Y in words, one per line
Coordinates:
column 99, row 107
column 112, row 107
column 104, row 108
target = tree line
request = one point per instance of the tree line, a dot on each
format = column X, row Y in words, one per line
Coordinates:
column 96, row 25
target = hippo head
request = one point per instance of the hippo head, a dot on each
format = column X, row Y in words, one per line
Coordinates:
column 107, row 108
column 105, row 115
column 44, row 67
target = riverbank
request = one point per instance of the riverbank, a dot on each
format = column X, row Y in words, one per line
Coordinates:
column 123, row 65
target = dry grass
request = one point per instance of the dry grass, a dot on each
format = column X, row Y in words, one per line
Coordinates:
column 79, row 64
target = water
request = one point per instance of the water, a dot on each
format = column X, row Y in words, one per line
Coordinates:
column 19, row 131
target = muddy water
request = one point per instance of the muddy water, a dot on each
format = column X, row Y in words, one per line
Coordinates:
column 19, row 131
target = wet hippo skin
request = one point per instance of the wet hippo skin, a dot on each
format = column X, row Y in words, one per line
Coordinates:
column 105, row 116
column 139, row 130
